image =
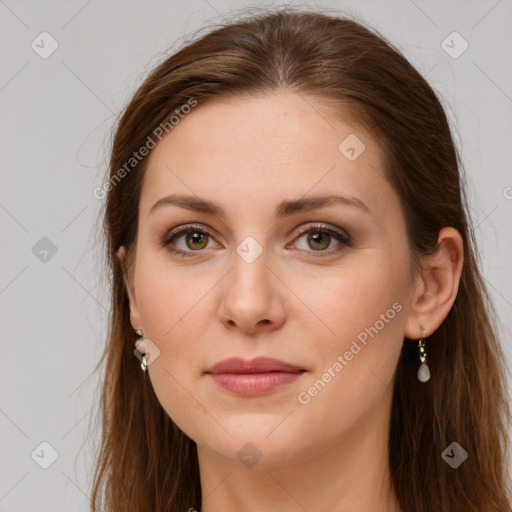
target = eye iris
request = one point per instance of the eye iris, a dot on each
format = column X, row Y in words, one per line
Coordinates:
column 321, row 238
column 196, row 238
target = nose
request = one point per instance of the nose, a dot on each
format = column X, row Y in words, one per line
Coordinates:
column 251, row 297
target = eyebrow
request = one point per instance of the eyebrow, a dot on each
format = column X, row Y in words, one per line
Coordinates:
column 283, row 209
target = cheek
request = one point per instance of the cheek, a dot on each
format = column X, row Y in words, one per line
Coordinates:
column 364, row 312
column 354, row 367
column 350, row 302
column 175, row 312
column 171, row 301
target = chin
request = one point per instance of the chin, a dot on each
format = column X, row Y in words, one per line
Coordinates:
column 254, row 443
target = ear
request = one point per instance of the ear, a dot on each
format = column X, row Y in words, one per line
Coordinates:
column 437, row 285
column 128, row 282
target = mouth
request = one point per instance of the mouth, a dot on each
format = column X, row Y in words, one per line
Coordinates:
column 255, row 377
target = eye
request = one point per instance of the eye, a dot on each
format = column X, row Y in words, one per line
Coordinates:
column 194, row 239
column 319, row 238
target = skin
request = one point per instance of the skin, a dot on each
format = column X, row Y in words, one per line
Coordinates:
column 248, row 155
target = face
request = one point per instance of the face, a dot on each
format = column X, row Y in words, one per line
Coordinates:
column 323, row 286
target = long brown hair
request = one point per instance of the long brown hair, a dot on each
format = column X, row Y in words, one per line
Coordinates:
column 146, row 463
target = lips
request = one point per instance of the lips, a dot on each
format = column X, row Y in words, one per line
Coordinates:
column 255, row 377
column 257, row 365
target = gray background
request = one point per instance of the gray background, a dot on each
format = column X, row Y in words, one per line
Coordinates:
column 55, row 118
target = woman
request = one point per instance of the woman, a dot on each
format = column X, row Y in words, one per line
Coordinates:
column 294, row 268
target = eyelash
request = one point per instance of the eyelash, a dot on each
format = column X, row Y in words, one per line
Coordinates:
column 345, row 239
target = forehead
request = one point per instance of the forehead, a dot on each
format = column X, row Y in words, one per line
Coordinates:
column 259, row 150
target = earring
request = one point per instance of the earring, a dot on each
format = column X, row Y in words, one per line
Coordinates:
column 423, row 371
column 140, row 348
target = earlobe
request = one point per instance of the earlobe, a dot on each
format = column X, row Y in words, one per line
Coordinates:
column 121, row 254
column 134, row 315
column 437, row 285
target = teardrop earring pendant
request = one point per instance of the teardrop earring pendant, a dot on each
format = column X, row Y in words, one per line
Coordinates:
column 141, row 348
column 423, row 371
